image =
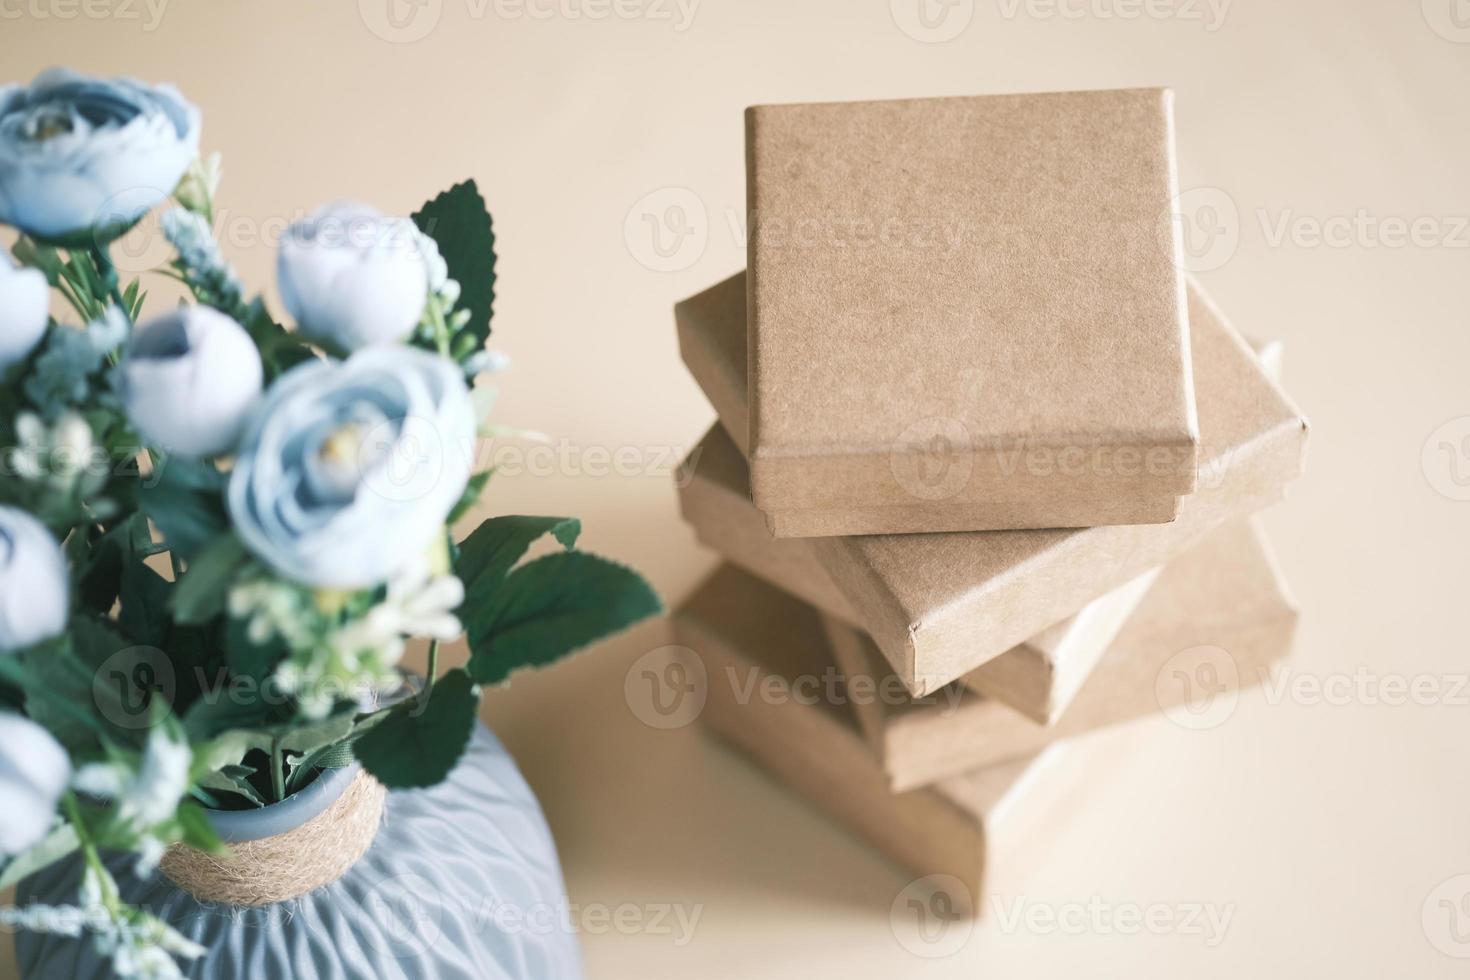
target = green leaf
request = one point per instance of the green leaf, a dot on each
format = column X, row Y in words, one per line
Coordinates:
column 232, row 727
column 248, row 658
column 420, row 741
column 144, row 596
column 186, row 502
column 52, row 848
column 280, row 349
column 200, row 594
column 232, row 779
column 97, row 563
column 550, row 607
column 460, row 225
column 196, row 830
column 493, row 548
column 64, row 692
column 470, row 497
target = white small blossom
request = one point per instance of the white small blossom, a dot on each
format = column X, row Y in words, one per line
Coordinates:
column 147, row 794
column 140, row 946
column 63, row 456
column 272, row 608
column 357, row 659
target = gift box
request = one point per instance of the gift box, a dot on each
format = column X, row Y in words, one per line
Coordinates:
column 941, row 605
column 967, row 314
column 1037, row 677
column 1217, row 617
column 754, row 642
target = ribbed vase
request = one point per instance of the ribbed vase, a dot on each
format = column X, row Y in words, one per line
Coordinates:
column 461, row 881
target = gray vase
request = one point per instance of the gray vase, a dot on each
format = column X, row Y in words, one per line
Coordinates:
column 462, row 882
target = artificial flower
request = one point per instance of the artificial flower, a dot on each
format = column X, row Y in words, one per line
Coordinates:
column 189, row 380
column 34, row 588
column 82, row 159
column 348, row 470
column 25, row 301
column 353, row 278
column 34, row 770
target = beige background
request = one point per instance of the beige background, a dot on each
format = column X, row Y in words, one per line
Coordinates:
column 1324, row 826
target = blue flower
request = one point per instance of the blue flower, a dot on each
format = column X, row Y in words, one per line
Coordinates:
column 189, row 380
column 24, row 311
column 34, row 770
column 34, row 589
column 82, row 159
column 353, row 278
column 348, row 470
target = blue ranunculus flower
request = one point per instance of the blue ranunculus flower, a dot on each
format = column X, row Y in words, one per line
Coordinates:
column 83, row 157
column 348, row 470
column 34, row 590
column 352, row 277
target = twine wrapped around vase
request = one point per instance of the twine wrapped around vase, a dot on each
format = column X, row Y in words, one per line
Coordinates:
column 287, row 865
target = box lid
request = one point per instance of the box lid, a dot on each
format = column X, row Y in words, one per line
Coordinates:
column 940, row 605
column 982, row 277
column 1220, row 610
column 1037, row 677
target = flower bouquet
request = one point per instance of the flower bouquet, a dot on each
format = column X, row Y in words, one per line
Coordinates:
column 217, row 534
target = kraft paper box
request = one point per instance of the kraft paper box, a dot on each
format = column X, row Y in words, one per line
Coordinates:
column 750, row 636
column 1037, row 677
column 1220, row 613
column 941, row 605
column 967, row 314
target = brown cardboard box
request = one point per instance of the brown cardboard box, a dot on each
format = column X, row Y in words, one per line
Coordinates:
column 941, row 605
column 1225, row 594
column 963, row 310
column 1037, row 677
column 751, row 637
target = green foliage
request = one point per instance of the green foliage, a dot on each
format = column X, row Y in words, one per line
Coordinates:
column 460, row 225
column 550, row 607
column 201, row 593
column 421, row 739
column 53, row 847
column 471, row 496
column 489, row 553
column 235, row 778
column 185, row 500
column 280, row 349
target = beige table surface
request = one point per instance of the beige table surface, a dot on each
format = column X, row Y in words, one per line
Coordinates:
column 1332, row 826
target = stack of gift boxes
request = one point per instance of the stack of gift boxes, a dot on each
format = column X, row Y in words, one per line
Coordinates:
column 985, row 454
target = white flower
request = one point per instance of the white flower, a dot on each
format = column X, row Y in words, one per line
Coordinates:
column 34, row 770
column 353, row 278
column 63, row 457
column 144, row 795
column 355, row 660
column 35, row 593
column 148, row 794
column 189, row 380
column 25, row 301
column 139, row 946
